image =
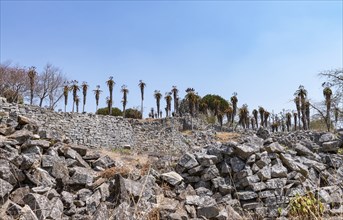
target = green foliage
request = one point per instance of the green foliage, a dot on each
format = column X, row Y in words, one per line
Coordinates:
column 133, row 113
column 210, row 102
column 115, row 111
column 306, row 206
column 211, row 119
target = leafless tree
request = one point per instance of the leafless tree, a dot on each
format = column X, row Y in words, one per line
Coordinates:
column 50, row 85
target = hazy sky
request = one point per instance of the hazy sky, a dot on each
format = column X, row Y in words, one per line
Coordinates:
column 261, row 50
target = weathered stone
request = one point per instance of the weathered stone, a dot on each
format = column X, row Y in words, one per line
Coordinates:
column 22, row 120
column 262, row 133
column 39, row 143
column 81, row 176
column 208, row 211
column 278, row 171
column 264, row 173
column 195, row 170
column 246, row 195
column 249, row 180
column 67, row 199
column 251, row 159
column 18, row 195
column 331, row 146
column 188, row 161
column 302, row 150
column 101, row 212
column 276, row 183
column 13, row 210
column 266, row 194
column 56, row 208
column 92, row 202
column 251, row 205
column 172, row 178
column 21, row 136
column 82, row 150
column 274, row 148
column 210, row 173
column 40, row 177
column 207, row 160
column 263, row 161
column 237, row 164
column 190, row 210
column 27, row 214
column 245, row 150
column 39, row 204
column 5, row 189
column 256, row 187
column 327, row 137
column 104, row 162
column 289, row 162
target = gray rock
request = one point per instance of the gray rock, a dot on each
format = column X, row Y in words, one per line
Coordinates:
column 82, row 150
column 195, row 170
column 207, row 160
column 278, row 171
column 288, row 161
column 101, row 212
column 56, row 210
column 188, row 161
column 21, row 136
column 331, row 146
column 27, row 214
column 39, row 204
column 244, row 151
column 246, row 195
column 5, row 189
column 302, row 150
column 93, row 201
column 81, row 176
column 264, row 173
column 276, row 183
column 172, row 178
column 266, row 194
column 104, row 162
column 18, row 195
column 210, row 173
column 208, row 211
column 40, row 177
column 22, row 120
column 249, row 180
column 13, row 210
column 264, row 161
column 327, row 137
column 39, row 143
column 262, row 133
column 67, row 199
column 237, row 164
column 274, row 148
column 257, row 187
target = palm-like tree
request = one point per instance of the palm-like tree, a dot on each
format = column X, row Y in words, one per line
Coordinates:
column 142, row 86
column 307, row 113
column 97, row 93
column 266, row 116
column 191, row 97
column 228, row 113
column 175, row 92
column 66, row 90
column 295, row 118
column 327, row 92
column 243, row 114
column 234, row 101
column 125, row 91
column 261, row 111
column 216, row 103
column 288, row 120
column 77, row 102
column 109, row 103
column 298, row 106
column 302, row 93
column 158, row 96
column 110, row 83
column 84, row 87
column 74, row 88
column 168, row 99
column 32, row 74
column 255, row 114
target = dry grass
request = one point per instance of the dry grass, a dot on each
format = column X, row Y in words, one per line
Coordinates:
column 110, row 172
column 227, row 136
column 154, row 214
column 131, row 160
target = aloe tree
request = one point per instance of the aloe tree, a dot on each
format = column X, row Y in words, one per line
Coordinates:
column 66, row 90
column 261, row 111
column 84, row 87
column 158, row 96
column 109, row 103
column 97, row 93
column 266, row 117
column 234, row 101
column 302, row 93
column 125, row 91
column 77, row 102
column 327, row 92
column 175, row 92
column 168, row 99
column 298, row 106
column 228, row 112
column 110, row 83
column 288, row 120
column 295, row 118
column 142, row 86
column 307, row 113
column 74, row 88
column 32, row 74
column 243, row 115
column 191, row 98
column 255, row 114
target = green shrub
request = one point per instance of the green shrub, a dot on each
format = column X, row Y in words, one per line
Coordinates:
column 115, row 111
column 306, row 206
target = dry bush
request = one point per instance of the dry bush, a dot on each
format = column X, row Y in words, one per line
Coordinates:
column 111, row 172
column 227, row 136
column 154, row 214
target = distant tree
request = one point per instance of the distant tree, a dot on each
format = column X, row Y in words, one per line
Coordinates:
column 158, row 96
column 77, row 102
column 191, row 98
column 168, row 99
column 13, row 83
column 243, row 115
column 32, row 74
column 125, row 91
column 110, row 83
column 84, row 87
column 298, row 106
column 142, row 86
column 253, row 122
column 220, row 118
column 295, row 117
column 97, row 93
column 288, row 120
column 104, row 111
column 255, row 114
column 261, row 111
column 213, row 103
column 234, row 101
column 74, row 88
column 229, row 111
column 133, row 113
column 109, row 105
column 307, row 113
column 327, row 92
column 175, row 92
column 266, row 116
column 152, row 115
column 334, row 79
column 65, row 94
column 302, row 93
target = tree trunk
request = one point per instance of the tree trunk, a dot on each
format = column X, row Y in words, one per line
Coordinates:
column 142, row 108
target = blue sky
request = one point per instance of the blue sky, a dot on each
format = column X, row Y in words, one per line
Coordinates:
column 262, row 50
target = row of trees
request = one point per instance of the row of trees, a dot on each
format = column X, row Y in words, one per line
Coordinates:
column 50, row 85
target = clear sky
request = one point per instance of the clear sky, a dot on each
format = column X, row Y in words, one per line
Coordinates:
column 263, row 50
